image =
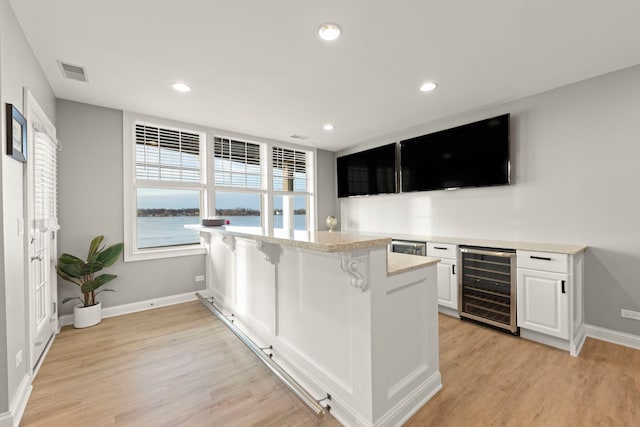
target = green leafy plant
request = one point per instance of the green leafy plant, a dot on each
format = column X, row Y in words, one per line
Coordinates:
column 82, row 273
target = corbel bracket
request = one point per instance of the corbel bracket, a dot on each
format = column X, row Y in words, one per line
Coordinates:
column 205, row 236
column 355, row 267
column 270, row 251
column 230, row 241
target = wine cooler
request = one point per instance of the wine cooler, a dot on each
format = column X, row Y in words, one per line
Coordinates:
column 487, row 287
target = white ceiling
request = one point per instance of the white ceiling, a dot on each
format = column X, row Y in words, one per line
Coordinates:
column 258, row 67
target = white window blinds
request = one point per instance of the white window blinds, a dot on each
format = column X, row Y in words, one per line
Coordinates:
column 164, row 154
column 237, row 163
column 45, row 195
column 290, row 170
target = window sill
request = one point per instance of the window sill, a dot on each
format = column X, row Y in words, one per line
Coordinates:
column 159, row 253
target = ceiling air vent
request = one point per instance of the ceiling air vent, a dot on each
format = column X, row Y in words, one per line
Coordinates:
column 73, row 72
column 300, row 137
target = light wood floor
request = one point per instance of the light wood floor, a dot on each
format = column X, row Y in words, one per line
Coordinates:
column 179, row 366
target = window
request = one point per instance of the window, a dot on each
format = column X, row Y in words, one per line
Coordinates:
column 238, row 182
column 175, row 174
column 45, row 203
column 167, row 191
column 292, row 195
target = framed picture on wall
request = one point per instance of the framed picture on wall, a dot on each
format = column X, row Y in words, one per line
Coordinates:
column 16, row 134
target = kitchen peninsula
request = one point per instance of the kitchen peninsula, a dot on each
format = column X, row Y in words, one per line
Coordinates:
column 343, row 316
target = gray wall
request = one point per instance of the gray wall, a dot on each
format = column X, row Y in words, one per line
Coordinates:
column 90, row 191
column 326, row 187
column 19, row 69
column 576, row 154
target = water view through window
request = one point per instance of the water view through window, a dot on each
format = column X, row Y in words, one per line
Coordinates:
column 162, row 215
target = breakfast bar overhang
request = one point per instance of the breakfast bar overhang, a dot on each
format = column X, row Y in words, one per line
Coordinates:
column 343, row 316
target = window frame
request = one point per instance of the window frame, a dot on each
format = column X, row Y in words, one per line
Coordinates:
column 310, row 156
column 207, row 185
column 131, row 185
column 265, row 177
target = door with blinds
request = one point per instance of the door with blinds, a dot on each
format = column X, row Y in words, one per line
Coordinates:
column 43, row 226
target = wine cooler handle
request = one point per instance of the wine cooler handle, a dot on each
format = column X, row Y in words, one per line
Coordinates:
column 453, row 269
column 563, row 289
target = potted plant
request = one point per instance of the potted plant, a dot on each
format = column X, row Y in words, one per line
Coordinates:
column 82, row 274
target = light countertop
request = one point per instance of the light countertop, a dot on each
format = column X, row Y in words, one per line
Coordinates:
column 502, row 244
column 320, row 241
column 399, row 263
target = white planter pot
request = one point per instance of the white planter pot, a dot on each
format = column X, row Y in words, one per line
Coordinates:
column 83, row 317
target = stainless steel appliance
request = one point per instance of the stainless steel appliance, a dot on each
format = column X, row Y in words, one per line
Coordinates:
column 412, row 247
column 487, row 286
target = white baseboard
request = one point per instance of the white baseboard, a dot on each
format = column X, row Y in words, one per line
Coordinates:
column 415, row 400
column 545, row 339
column 615, row 337
column 448, row 311
column 6, row 419
column 134, row 307
column 575, row 347
column 20, row 400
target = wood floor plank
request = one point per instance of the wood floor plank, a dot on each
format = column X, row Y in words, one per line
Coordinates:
column 180, row 366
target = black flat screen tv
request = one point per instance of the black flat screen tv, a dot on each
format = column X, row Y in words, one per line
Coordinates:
column 367, row 172
column 471, row 155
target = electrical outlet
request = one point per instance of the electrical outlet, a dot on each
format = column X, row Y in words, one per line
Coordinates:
column 199, row 278
column 18, row 358
column 630, row 314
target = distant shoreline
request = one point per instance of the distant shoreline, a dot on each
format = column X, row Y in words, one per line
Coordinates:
column 156, row 212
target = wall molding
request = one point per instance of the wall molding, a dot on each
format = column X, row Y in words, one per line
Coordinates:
column 6, row 419
column 20, row 400
column 135, row 307
column 615, row 337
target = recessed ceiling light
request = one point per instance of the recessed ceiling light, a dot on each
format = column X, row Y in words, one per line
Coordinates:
column 181, row 87
column 428, row 86
column 329, row 31
column 328, row 127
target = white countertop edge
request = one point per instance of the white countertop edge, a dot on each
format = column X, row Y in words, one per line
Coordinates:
column 352, row 240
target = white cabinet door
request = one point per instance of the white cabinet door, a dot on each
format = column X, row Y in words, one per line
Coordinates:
column 447, row 284
column 543, row 302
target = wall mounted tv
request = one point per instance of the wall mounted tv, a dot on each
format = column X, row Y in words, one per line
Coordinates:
column 368, row 172
column 472, row 155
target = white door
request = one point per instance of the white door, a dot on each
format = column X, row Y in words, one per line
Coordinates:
column 43, row 224
column 41, row 269
column 543, row 302
column 447, row 284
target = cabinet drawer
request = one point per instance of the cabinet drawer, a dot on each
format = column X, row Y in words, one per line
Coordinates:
column 442, row 250
column 544, row 261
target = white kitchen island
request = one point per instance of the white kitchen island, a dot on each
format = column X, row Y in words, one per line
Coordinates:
column 344, row 316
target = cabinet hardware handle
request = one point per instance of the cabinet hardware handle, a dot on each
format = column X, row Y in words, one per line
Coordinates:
column 563, row 289
column 543, row 258
column 453, row 269
column 440, row 247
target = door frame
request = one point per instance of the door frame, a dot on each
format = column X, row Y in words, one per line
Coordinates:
column 35, row 114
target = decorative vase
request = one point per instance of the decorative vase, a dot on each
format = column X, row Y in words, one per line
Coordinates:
column 331, row 222
column 83, row 317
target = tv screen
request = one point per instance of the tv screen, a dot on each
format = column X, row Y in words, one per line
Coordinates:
column 368, row 172
column 472, row 155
